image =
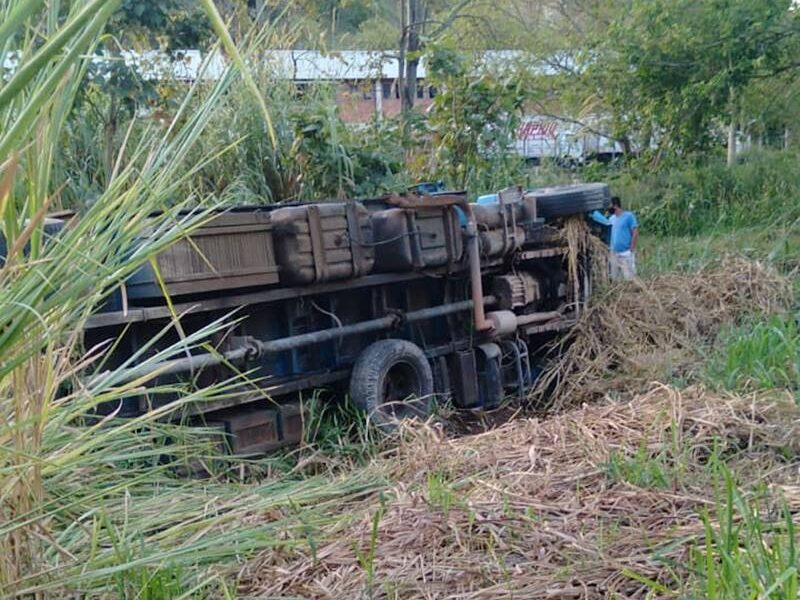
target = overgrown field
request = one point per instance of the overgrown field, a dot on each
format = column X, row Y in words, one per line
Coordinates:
column 666, row 464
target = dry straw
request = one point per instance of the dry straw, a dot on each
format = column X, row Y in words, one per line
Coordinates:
column 600, row 500
column 654, row 329
column 537, row 508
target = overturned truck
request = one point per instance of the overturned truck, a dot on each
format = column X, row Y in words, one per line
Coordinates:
column 400, row 301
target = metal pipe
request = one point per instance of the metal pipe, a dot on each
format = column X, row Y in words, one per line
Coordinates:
column 537, row 317
column 199, row 361
column 379, row 324
column 255, row 348
column 325, row 335
column 476, row 283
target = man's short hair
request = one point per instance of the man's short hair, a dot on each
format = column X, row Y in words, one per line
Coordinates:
column 615, row 201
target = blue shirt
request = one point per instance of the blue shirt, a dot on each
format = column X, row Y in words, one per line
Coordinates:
column 622, row 227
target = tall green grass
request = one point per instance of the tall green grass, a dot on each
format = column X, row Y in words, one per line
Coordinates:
column 93, row 507
column 759, row 355
column 747, row 551
column 685, row 198
column 778, row 246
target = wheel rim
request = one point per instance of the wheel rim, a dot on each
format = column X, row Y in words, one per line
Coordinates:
column 401, row 391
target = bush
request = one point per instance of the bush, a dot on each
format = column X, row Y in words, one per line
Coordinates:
column 318, row 155
column 685, row 199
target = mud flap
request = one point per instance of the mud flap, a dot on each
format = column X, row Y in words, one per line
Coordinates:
column 490, row 376
column 463, row 378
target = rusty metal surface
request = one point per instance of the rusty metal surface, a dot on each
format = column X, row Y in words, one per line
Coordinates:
column 463, row 378
column 415, row 239
column 271, row 390
column 292, row 419
column 234, row 250
column 252, row 431
column 316, row 243
column 516, row 290
column 470, row 239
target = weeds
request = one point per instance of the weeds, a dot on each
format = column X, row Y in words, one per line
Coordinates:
column 642, row 469
column 339, row 431
column 440, row 492
column 779, row 247
column 758, row 355
column 684, row 199
column 367, row 560
column 746, row 552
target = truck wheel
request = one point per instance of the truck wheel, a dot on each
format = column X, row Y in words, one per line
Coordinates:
column 566, row 200
column 392, row 380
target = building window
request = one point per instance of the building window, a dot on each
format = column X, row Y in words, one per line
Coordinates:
column 386, row 87
column 369, row 90
column 431, row 92
column 420, row 91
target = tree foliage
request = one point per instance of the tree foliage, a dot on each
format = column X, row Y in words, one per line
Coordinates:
column 682, row 65
column 671, row 72
column 473, row 120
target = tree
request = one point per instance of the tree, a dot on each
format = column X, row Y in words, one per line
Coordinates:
column 665, row 71
column 688, row 62
column 772, row 110
column 413, row 24
column 421, row 23
column 114, row 90
column 473, row 120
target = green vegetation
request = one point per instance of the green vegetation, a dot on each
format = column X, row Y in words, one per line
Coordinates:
column 761, row 191
column 97, row 506
column 759, row 355
column 741, row 556
column 87, row 504
column 473, row 120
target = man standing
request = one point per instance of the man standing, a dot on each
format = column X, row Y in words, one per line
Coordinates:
column 624, row 235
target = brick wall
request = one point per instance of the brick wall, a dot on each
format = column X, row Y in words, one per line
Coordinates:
column 358, row 103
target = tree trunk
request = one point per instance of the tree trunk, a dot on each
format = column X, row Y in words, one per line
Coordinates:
column 732, row 129
column 110, row 133
column 409, row 90
column 627, row 149
column 647, row 139
column 401, row 60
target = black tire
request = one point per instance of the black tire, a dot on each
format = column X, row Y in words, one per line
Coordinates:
column 392, row 380
column 567, row 200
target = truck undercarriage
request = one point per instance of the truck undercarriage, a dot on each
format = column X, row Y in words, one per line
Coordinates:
column 399, row 301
